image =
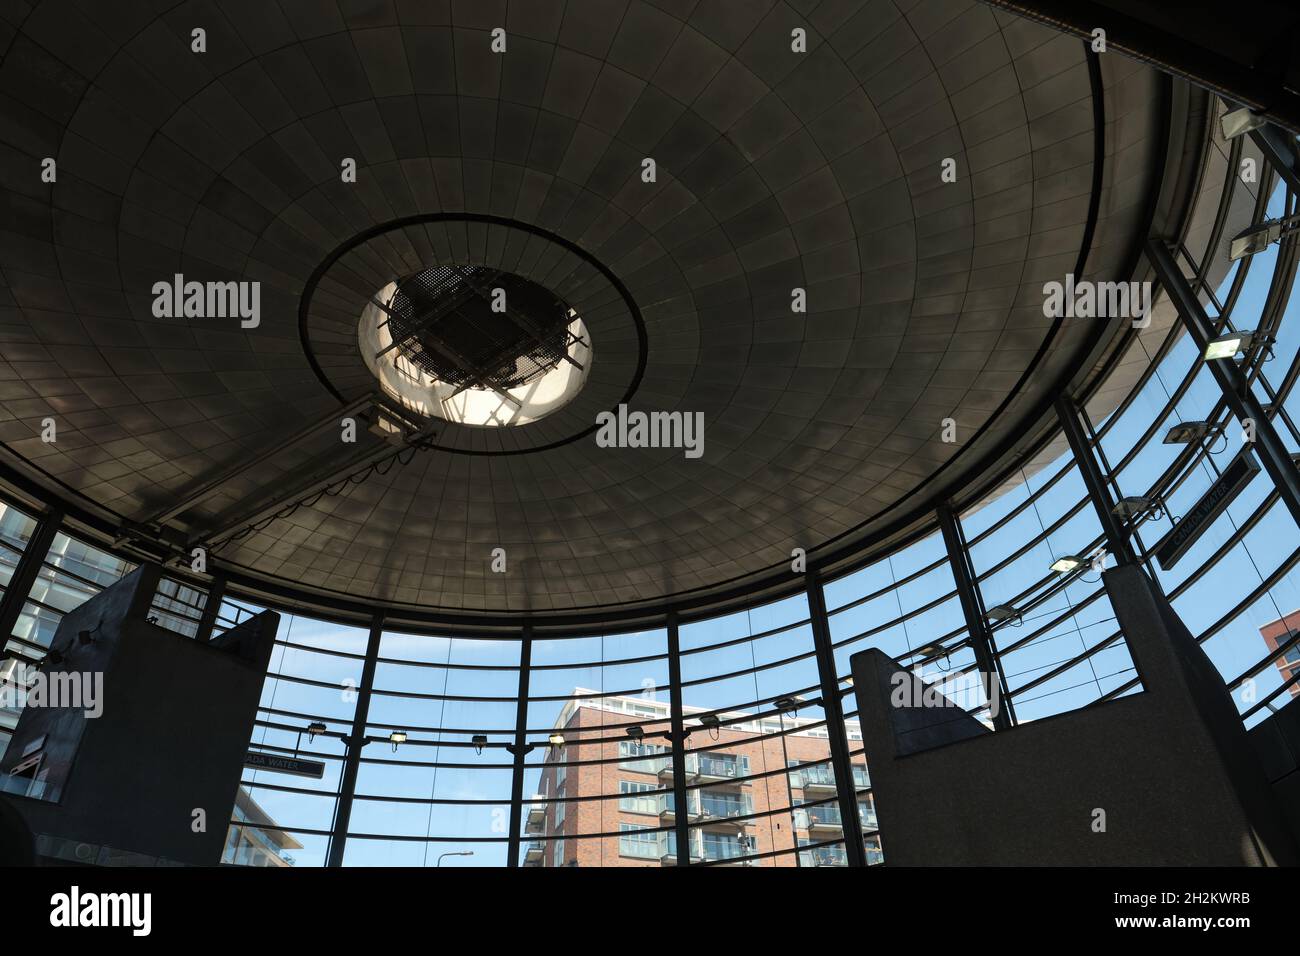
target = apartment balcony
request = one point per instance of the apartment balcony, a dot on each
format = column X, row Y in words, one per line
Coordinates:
column 714, row 768
column 668, row 807
column 814, row 780
column 668, row 848
column 824, row 856
column 709, row 768
column 716, row 810
column 819, row 820
column 536, row 821
column 534, row 853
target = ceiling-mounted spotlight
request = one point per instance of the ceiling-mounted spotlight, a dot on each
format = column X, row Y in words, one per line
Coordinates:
column 1067, row 563
column 1240, row 121
column 479, row 741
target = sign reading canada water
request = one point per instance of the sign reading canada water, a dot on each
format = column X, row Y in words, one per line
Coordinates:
column 1193, row 524
column 293, row 765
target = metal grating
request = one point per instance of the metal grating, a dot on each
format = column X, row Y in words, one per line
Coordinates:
column 443, row 322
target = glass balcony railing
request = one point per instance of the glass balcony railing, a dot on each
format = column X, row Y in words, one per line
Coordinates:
column 824, row 817
column 822, row 777
column 816, row 777
column 667, row 807
column 724, row 806
column 721, row 767
column 718, row 848
column 824, row 856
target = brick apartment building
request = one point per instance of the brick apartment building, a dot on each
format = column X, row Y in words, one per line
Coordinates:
column 1275, row 634
column 747, row 796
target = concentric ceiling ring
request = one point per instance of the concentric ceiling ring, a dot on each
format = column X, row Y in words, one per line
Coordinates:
column 605, row 303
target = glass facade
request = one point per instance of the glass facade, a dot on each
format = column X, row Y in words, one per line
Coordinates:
column 552, row 749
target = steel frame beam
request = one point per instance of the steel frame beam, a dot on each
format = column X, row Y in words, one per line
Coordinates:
column 677, row 737
column 356, row 742
column 520, row 748
column 1279, row 149
column 833, row 710
column 323, row 471
column 1237, row 393
column 1117, row 542
column 976, row 615
column 209, row 487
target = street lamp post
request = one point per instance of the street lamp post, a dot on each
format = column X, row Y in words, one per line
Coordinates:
column 453, row 853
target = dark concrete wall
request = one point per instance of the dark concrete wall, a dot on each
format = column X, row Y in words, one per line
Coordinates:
column 1171, row 767
column 1277, row 742
column 177, row 718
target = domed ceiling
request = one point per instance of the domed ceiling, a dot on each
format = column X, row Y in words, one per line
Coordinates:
column 682, row 175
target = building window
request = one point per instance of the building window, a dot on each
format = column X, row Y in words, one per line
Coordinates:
column 638, row 797
column 640, row 757
column 638, row 841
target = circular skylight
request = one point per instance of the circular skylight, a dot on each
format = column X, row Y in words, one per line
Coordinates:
column 475, row 345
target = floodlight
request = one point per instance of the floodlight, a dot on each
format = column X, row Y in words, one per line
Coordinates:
column 1240, row 121
column 1069, row 562
column 1133, row 506
column 786, row 705
column 1003, row 612
column 557, row 740
column 636, row 733
column 314, row 728
column 479, row 741
column 710, row 720
column 1227, row 345
column 1184, row 433
column 934, row 649
column 397, row 737
column 1255, row 239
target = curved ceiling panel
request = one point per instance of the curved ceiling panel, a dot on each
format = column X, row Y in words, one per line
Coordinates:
column 775, row 170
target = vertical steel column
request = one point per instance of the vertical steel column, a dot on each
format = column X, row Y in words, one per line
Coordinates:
column 520, row 748
column 1117, row 542
column 355, row 743
column 208, row 619
column 24, row 576
column 1236, row 390
column 972, row 609
column 833, row 710
column 677, row 736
